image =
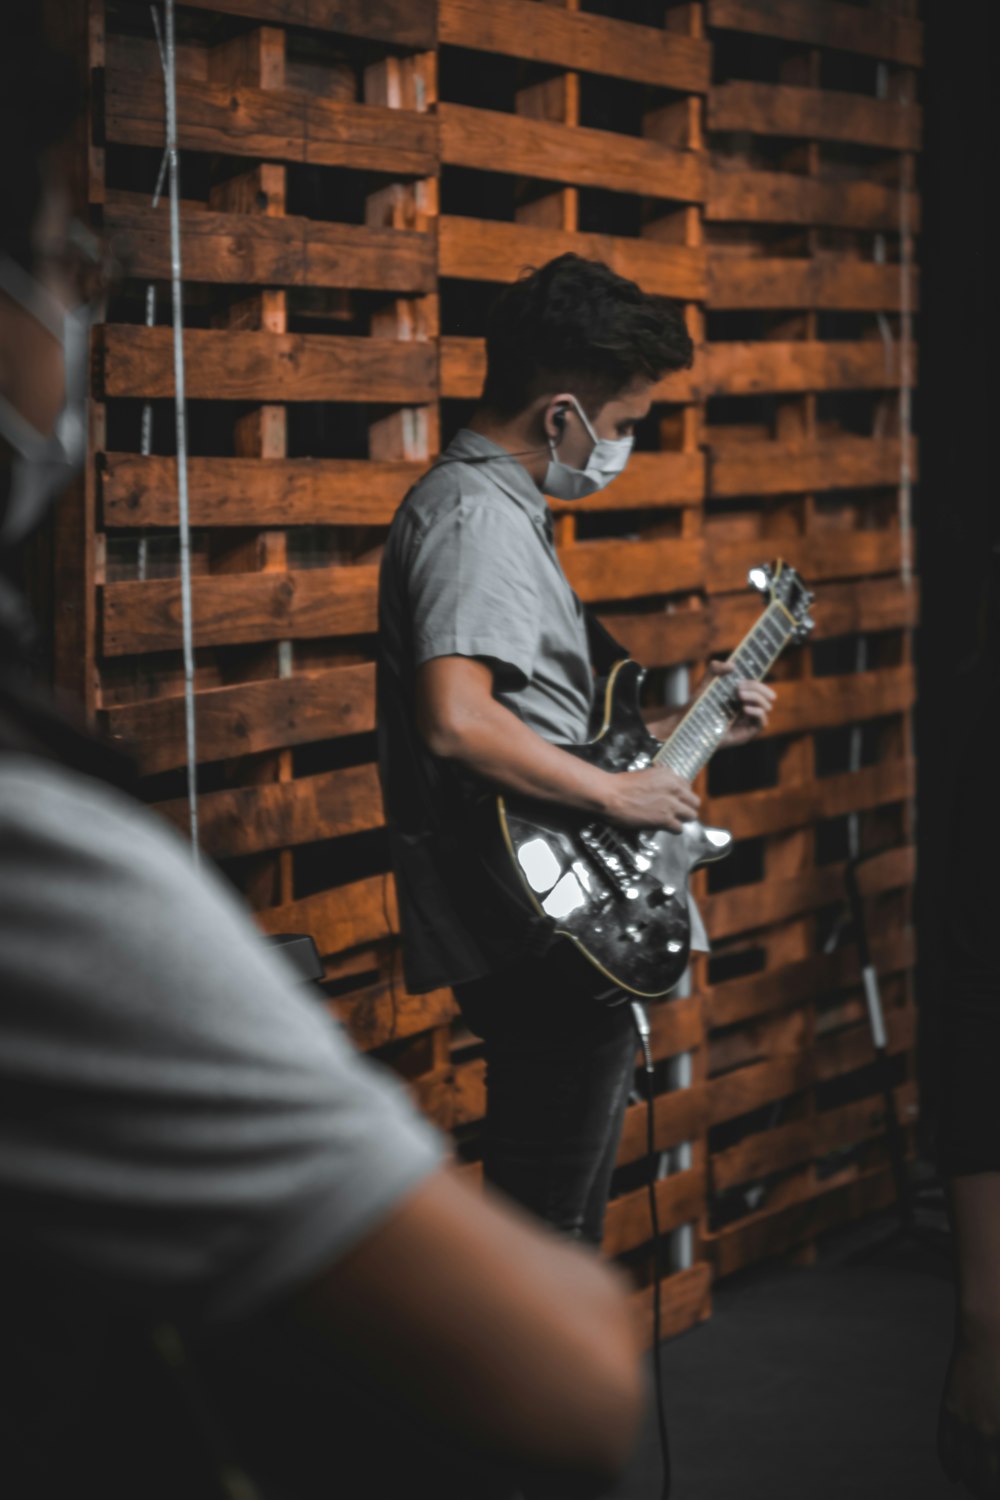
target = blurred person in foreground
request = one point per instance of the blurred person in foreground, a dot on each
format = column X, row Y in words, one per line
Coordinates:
column 188, row 1144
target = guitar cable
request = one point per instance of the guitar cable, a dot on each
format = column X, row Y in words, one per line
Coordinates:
column 641, row 1023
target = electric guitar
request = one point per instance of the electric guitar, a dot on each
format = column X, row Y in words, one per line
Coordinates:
column 621, row 894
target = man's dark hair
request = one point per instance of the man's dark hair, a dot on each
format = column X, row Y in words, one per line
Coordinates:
column 39, row 101
column 575, row 324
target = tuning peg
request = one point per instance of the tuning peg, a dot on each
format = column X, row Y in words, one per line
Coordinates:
column 759, row 578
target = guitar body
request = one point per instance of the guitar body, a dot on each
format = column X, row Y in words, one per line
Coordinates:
column 619, row 894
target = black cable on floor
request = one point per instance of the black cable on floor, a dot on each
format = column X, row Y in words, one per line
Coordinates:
column 641, row 1021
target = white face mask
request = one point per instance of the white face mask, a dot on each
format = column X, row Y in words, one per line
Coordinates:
column 43, row 466
column 607, row 459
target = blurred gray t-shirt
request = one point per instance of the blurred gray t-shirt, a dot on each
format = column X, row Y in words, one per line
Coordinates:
column 180, row 1123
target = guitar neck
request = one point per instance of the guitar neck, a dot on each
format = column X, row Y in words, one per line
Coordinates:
column 693, row 743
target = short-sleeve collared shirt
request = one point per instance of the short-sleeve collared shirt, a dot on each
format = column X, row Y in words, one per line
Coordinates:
column 469, row 569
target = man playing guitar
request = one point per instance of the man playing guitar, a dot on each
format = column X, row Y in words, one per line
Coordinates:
column 485, row 671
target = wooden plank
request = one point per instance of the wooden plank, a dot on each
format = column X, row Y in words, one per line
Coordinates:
column 278, row 815
column 257, row 250
column 685, row 1299
column 251, row 366
column 577, row 41
column 800, row 1141
column 141, row 491
column 840, row 609
column 678, row 1200
column 238, row 607
column 757, row 994
column 492, row 141
column 454, row 1096
column 249, row 717
column 387, row 1012
column 741, row 195
column 404, row 23
column 825, row 23
column 341, row 918
column 775, row 1231
column 630, row 570
column 463, row 370
column 662, row 638
column 821, row 555
column 275, row 124
column 774, row 468
column 253, row 492
column 746, row 1089
column 750, row 368
column 816, row 114
column 776, row 809
column 766, row 902
column 490, row 250
column 829, row 283
column 677, row 1116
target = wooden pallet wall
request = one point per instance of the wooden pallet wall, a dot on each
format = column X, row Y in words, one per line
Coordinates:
column 358, row 180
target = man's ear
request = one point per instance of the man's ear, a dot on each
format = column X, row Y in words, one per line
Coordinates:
column 554, row 415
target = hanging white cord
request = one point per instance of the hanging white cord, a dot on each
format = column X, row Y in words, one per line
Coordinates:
column 168, row 59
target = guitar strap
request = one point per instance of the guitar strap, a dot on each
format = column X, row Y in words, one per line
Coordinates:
column 605, row 651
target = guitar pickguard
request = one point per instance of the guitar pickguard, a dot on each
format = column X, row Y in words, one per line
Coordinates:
column 620, row 895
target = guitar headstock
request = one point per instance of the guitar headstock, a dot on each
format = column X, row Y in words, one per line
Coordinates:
column 785, row 588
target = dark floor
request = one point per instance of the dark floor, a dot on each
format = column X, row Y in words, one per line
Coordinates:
column 819, row 1384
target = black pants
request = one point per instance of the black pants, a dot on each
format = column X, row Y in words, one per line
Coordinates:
column 559, row 1066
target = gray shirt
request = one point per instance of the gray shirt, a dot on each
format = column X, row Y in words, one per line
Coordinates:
column 470, row 569
column 483, row 580
column 182, row 1124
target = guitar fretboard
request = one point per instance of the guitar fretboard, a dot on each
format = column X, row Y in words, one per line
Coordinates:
column 692, row 744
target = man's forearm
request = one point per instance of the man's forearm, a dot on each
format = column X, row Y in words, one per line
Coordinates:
column 496, row 745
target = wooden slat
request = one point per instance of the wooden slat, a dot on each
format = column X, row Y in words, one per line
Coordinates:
column 796, row 468
column 269, row 123
column 757, row 994
column 386, row 1012
column 404, row 23
column 766, row 902
column 775, row 1231
column 750, row 368
column 252, row 492
column 351, row 492
column 686, row 1299
column 753, row 197
column 678, row 1116
column 829, row 283
column 629, row 570
column 678, row 1201
column 255, row 250
column 249, row 716
column 774, row 809
column 341, row 918
column 463, row 370
column 800, row 1141
column 825, row 23
column 490, row 250
column 746, row 1089
column 818, row 114
column 491, row 142
column 839, row 609
column 238, row 607
column 821, row 555
column 574, row 40
column 662, row 639
column 283, row 814
column 245, row 366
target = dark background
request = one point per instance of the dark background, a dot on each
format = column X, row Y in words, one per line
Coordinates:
column 958, row 425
